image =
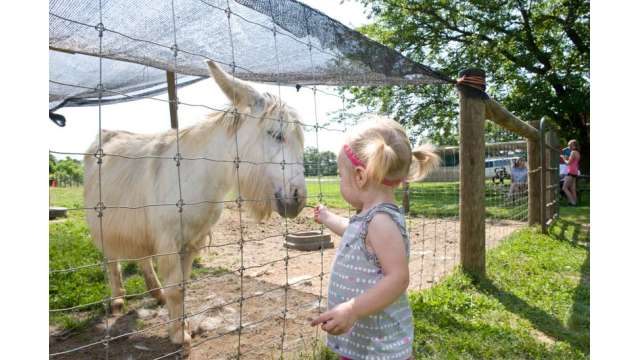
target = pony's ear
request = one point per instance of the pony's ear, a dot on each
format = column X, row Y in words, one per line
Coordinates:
column 239, row 92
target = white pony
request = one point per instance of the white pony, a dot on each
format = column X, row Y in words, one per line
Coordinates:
column 140, row 196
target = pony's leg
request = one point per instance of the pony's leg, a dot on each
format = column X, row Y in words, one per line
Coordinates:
column 187, row 265
column 171, row 274
column 151, row 279
column 117, row 290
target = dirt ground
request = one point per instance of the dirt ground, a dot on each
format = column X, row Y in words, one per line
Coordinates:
column 213, row 300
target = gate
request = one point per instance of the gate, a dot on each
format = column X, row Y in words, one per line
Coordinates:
column 550, row 180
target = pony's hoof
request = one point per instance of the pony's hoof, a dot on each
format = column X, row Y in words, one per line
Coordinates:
column 117, row 307
column 180, row 336
column 159, row 296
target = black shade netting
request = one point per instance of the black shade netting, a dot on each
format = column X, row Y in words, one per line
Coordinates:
column 139, row 45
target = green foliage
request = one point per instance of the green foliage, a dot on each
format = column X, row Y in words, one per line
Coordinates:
column 134, row 285
column 52, row 164
column 325, row 161
column 533, row 304
column 70, row 246
column 535, row 53
column 68, row 170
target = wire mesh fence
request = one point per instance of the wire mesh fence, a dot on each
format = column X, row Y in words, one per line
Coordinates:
column 248, row 296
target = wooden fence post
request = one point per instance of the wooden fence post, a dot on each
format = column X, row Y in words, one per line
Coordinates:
column 173, row 99
column 472, row 211
column 535, row 170
column 406, row 204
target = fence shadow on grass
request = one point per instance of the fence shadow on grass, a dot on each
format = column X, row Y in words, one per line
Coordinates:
column 567, row 229
column 580, row 311
column 547, row 324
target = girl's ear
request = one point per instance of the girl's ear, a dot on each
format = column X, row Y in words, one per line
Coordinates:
column 360, row 177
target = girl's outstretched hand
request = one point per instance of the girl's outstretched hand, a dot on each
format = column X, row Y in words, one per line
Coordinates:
column 338, row 320
column 320, row 213
column 333, row 222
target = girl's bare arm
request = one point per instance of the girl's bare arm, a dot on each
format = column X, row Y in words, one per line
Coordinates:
column 334, row 222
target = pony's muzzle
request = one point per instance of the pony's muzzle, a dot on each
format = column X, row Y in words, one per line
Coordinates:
column 290, row 206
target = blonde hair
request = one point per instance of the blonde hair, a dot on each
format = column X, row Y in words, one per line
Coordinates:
column 574, row 142
column 384, row 147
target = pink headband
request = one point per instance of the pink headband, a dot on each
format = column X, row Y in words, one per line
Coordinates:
column 357, row 162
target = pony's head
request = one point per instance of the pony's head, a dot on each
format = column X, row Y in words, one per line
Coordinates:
column 270, row 144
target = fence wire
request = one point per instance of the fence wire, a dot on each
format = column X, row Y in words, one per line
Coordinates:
column 431, row 208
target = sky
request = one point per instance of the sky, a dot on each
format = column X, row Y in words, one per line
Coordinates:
column 150, row 116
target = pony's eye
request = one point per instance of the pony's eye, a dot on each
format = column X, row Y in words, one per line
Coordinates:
column 276, row 135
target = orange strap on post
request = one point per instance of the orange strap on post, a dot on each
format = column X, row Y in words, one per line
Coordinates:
column 474, row 81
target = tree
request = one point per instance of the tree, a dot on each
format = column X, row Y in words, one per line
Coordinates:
column 68, row 170
column 535, row 53
column 52, row 166
column 326, row 161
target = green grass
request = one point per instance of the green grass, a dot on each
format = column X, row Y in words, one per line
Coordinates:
column 533, row 303
column 70, row 246
column 70, row 197
column 430, row 199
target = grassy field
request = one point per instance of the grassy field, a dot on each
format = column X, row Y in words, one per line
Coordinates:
column 430, row 199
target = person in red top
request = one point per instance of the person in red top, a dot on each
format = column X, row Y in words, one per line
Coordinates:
column 572, row 161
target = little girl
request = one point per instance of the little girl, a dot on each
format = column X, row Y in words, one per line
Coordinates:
column 369, row 315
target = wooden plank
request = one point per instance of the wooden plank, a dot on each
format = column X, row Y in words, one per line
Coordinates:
column 501, row 116
column 472, row 202
column 173, row 99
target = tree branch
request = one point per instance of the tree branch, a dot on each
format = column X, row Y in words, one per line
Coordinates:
column 531, row 41
column 573, row 35
column 568, row 27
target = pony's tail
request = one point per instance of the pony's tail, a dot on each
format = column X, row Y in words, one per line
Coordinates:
column 423, row 160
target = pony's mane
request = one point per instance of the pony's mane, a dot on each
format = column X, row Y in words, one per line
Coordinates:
column 267, row 120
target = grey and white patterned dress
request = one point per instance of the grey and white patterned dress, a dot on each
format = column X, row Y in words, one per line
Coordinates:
column 389, row 333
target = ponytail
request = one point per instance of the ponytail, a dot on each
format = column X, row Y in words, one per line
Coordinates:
column 385, row 149
column 423, row 160
column 380, row 159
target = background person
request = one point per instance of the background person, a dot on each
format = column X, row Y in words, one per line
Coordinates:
column 573, row 162
column 519, row 174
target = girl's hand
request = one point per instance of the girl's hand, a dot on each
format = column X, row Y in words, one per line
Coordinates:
column 338, row 320
column 320, row 214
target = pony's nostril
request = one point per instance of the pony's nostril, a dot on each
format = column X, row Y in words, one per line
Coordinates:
column 295, row 195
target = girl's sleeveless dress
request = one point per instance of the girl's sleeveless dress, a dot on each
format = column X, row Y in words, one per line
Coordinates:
column 389, row 333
